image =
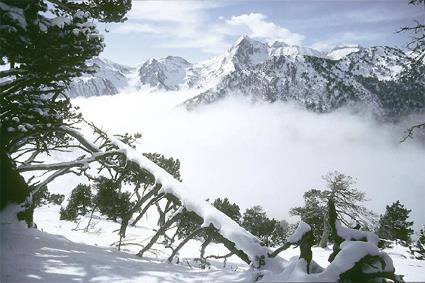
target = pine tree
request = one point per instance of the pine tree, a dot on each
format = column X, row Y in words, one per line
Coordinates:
column 79, row 203
column 110, row 200
column 312, row 212
column 41, row 197
column 348, row 203
column 418, row 249
column 255, row 220
column 230, row 209
column 43, row 45
column 393, row 225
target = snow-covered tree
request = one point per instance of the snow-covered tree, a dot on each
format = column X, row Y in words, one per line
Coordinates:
column 416, row 70
column 312, row 212
column 43, row 45
column 348, row 203
column 418, row 249
column 394, row 224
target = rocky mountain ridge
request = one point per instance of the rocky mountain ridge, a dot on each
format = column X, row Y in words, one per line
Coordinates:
column 347, row 75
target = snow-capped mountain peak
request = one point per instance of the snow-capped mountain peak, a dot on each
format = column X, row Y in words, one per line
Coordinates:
column 166, row 73
column 283, row 49
column 343, row 50
column 108, row 78
column 247, row 52
column 347, row 75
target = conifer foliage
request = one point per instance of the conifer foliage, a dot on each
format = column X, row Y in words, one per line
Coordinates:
column 394, row 224
column 43, row 45
column 418, row 249
column 79, row 203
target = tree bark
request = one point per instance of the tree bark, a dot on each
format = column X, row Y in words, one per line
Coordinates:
column 326, row 231
column 13, row 188
column 182, row 243
column 158, row 234
column 332, row 222
column 91, row 217
column 149, row 204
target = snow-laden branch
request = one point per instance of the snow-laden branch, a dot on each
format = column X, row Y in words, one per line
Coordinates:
column 79, row 162
column 227, row 227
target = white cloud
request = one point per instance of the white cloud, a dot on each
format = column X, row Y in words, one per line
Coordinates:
column 169, row 11
column 187, row 24
column 179, row 24
column 208, row 43
column 136, row 28
column 257, row 26
column 344, row 38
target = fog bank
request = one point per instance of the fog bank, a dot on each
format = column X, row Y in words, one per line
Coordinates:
column 269, row 154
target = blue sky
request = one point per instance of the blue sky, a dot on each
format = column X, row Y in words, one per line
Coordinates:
column 198, row 30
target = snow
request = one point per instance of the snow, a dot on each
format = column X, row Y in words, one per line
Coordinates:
column 339, row 53
column 273, row 73
column 109, row 79
column 166, row 73
column 57, row 252
column 349, row 234
column 15, row 13
column 81, row 14
column 243, row 240
column 280, row 49
column 301, row 230
column 36, row 256
column 275, row 268
column 60, row 21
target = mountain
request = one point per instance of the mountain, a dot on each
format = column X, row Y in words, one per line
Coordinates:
column 283, row 49
column 341, row 51
column 166, row 73
column 347, row 75
column 107, row 79
column 366, row 76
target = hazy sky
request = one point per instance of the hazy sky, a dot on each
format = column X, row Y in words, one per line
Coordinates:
column 197, row 30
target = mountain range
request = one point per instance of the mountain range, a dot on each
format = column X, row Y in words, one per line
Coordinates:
column 375, row 77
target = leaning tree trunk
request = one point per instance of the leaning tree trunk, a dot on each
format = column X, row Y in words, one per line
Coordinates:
column 13, row 188
column 332, row 216
column 326, row 231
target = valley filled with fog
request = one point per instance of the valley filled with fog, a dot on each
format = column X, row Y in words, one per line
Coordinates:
column 269, row 154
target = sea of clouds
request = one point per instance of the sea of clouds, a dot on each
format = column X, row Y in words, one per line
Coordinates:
column 269, row 154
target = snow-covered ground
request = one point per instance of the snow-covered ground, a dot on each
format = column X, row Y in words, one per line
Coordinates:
column 57, row 252
column 30, row 255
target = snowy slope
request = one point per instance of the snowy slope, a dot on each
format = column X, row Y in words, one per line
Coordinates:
column 108, row 79
column 165, row 73
column 280, row 48
column 36, row 256
column 341, row 51
column 57, row 253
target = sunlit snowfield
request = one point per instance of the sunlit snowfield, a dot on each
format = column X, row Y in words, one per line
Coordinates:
column 268, row 154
